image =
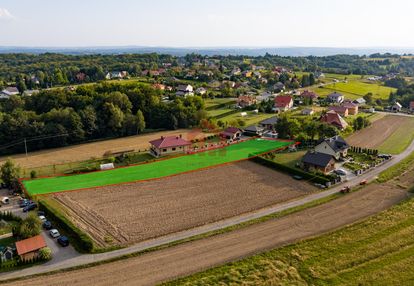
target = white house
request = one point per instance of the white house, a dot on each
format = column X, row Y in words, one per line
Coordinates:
column 335, row 97
column 9, row 91
column 184, row 90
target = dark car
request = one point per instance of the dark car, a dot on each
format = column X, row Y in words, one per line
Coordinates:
column 29, row 207
column 39, row 213
column 63, row 241
column 47, row 225
column 24, row 203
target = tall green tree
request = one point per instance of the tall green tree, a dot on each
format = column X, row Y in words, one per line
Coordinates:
column 9, row 173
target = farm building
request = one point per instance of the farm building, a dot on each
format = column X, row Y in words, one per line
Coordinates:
column 169, row 145
column 9, row 91
column 253, row 130
column 335, row 146
column 314, row 161
column 269, row 123
column 231, row 133
column 29, row 248
column 333, row 118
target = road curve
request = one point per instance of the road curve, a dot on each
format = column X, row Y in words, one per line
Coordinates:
column 89, row 258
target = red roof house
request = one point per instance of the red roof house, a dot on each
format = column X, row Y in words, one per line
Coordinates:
column 169, row 145
column 342, row 110
column 333, row 118
column 309, row 94
column 29, row 248
column 283, row 102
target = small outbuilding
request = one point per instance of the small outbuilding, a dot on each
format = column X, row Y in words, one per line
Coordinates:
column 29, row 248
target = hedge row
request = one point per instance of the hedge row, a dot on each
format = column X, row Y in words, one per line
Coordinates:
column 292, row 171
column 221, row 105
column 227, row 114
column 80, row 240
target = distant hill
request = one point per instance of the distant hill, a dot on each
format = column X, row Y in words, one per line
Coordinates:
column 282, row 51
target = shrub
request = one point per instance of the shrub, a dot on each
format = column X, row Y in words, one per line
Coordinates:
column 33, row 174
column 45, row 253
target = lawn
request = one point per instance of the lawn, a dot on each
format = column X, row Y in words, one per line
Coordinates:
column 399, row 140
column 289, row 159
column 250, row 119
column 377, row 251
column 218, row 101
column 217, row 112
column 158, row 169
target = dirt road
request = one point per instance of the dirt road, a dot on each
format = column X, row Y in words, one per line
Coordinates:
column 136, row 212
column 188, row 258
column 96, row 149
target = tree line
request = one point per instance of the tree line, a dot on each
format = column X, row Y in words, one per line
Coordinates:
column 59, row 117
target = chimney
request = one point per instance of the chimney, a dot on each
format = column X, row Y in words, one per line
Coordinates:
column 162, row 137
column 181, row 136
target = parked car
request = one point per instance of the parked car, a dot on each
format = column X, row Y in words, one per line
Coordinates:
column 42, row 218
column 39, row 213
column 47, row 225
column 340, row 172
column 63, row 241
column 54, row 233
column 24, row 202
column 30, row 207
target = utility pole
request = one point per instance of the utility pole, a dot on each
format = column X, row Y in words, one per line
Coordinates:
column 25, row 146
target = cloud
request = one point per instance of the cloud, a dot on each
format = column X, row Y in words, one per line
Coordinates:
column 5, row 14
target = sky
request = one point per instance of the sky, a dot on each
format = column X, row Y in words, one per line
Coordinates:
column 207, row 23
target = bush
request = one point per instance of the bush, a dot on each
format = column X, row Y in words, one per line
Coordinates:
column 33, row 174
column 292, row 171
column 80, row 240
column 45, row 253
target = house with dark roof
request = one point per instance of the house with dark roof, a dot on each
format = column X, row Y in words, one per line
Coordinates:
column 268, row 123
column 335, row 97
column 315, row 161
column 231, row 133
column 360, row 101
column 169, row 145
column 333, row 118
column 335, row 146
column 253, row 130
column 29, row 248
column 283, row 103
column 184, row 90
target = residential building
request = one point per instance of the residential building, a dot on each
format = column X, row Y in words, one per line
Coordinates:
column 360, row 101
column 333, row 118
column 335, row 97
column 283, row 103
column 315, row 161
column 278, row 87
column 201, row 91
column 6, row 254
column 308, row 111
column 169, row 145
column 158, row 86
column 269, row 123
column 264, row 96
column 308, row 94
column 343, row 111
column 231, row 133
column 335, row 146
column 9, row 91
column 270, row 134
column 253, row 130
column 352, row 107
column 184, row 90
column 246, row 100
column 29, row 248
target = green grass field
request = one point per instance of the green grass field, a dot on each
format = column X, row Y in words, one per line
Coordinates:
column 218, row 101
column 162, row 168
column 250, row 119
column 359, row 89
column 217, row 112
column 399, row 140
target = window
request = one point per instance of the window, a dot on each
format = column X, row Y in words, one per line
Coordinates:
column 173, row 149
column 164, row 150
